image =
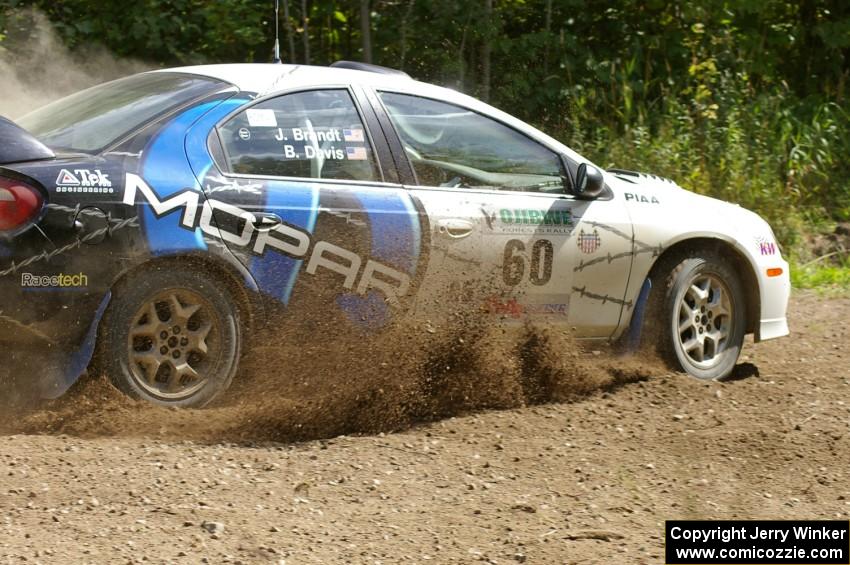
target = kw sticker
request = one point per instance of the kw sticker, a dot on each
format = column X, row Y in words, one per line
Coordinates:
column 766, row 247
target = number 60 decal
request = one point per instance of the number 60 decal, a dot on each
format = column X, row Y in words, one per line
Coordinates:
column 513, row 264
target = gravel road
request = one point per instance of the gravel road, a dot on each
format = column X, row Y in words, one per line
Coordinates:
column 590, row 480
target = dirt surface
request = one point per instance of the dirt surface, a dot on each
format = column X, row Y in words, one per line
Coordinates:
column 591, row 480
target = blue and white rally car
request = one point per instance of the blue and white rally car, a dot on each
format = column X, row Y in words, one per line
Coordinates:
column 152, row 222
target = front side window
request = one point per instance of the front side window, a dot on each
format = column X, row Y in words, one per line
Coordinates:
column 451, row 146
column 316, row 134
column 93, row 119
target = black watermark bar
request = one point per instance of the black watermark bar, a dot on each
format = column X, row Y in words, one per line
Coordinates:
column 768, row 542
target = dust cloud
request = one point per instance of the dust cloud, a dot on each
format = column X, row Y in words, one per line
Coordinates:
column 37, row 68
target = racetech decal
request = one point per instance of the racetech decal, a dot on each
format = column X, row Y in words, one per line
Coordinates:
column 285, row 239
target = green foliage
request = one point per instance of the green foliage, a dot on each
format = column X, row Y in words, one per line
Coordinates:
column 826, row 277
column 742, row 100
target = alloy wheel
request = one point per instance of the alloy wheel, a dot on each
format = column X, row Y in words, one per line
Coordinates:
column 704, row 323
column 172, row 343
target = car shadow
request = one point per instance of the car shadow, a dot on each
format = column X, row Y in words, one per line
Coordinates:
column 743, row 371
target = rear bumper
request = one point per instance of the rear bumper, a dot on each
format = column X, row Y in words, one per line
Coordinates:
column 48, row 357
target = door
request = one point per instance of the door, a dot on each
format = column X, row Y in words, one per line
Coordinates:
column 301, row 197
column 502, row 219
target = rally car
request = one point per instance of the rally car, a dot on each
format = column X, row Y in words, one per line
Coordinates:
column 154, row 222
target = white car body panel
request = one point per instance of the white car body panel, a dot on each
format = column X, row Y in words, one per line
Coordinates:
column 679, row 215
column 633, row 230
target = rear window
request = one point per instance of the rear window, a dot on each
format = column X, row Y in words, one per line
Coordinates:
column 93, row 119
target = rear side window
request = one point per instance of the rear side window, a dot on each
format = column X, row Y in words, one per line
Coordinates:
column 316, row 134
column 92, row 120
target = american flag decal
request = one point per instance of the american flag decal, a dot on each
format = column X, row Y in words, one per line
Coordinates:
column 353, row 135
column 356, row 153
column 589, row 242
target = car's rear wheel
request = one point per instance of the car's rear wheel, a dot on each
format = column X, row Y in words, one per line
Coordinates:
column 171, row 337
column 697, row 315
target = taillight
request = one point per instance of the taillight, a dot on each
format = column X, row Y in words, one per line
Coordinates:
column 19, row 203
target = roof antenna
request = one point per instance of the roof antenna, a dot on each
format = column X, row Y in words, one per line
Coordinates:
column 276, row 33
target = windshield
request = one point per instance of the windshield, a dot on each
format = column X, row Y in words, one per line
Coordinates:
column 91, row 120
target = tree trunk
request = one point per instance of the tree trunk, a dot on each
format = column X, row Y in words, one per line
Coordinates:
column 404, row 23
column 366, row 30
column 461, row 56
column 548, row 36
column 486, row 49
column 287, row 27
column 306, row 33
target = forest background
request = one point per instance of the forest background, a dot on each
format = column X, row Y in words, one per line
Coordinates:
column 745, row 100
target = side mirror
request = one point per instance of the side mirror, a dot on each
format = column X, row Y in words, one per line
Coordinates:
column 589, row 182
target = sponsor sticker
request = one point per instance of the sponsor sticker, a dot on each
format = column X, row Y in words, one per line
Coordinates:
column 588, row 242
column 529, row 221
column 261, row 118
column 641, row 198
column 361, row 273
column 512, row 308
column 61, row 281
column 83, row 180
column 766, row 247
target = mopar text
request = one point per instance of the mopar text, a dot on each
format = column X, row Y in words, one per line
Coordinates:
column 283, row 238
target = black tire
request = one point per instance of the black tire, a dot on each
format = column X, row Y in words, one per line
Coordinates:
column 187, row 355
column 678, row 282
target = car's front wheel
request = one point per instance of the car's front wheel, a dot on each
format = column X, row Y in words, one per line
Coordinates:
column 171, row 337
column 697, row 312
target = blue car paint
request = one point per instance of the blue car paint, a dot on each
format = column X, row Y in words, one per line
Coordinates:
column 297, row 204
column 635, row 326
column 178, row 157
column 195, row 138
column 395, row 241
column 76, row 364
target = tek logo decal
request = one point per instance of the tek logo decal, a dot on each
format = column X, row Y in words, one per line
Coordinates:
column 83, row 180
column 635, row 197
column 292, row 241
column 766, row 247
column 589, row 242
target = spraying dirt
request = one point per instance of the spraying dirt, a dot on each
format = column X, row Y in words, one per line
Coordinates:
column 295, row 389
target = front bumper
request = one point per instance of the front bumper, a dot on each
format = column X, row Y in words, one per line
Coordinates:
column 775, row 292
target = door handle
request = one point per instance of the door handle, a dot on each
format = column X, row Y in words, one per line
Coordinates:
column 455, row 228
column 266, row 221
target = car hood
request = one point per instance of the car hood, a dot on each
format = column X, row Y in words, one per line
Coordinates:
column 645, row 188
